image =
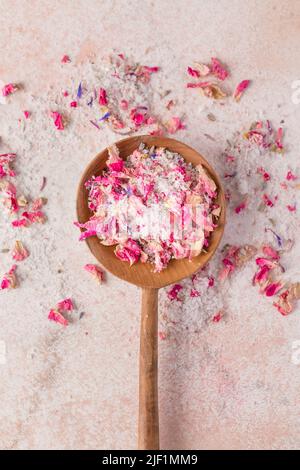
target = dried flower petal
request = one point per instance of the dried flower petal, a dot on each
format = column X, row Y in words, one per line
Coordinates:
column 175, row 124
column 173, row 292
column 102, row 97
column 19, row 252
column 58, row 120
column 5, row 161
column 130, row 251
column 195, row 293
column 273, row 288
column 162, row 335
column 95, row 271
column 114, row 161
column 9, row 89
column 193, row 72
column 290, row 176
column 198, row 84
column 227, row 269
column 218, row 316
column 124, row 105
column 264, row 173
column 65, row 305
column 203, row 69
column 241, row 87
column 271, row 252
column 267, row 201
column 9, row 196
column 213, row 91
column 240, row 207
column 65, row 59
column 29, row 218
column 279, row 137
column 218, row 69
column 57, row 317
column 9, row 280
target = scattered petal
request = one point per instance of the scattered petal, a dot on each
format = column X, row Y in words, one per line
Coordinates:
column 65, row 59
column 266, row 176
column 102, row 97
column 194, row 293
column 162, row 335
column 218, row 316
column 241, row 207
column 273, row 288
column 65, row 305
column 173, row 292
column 218, row 69
column 271, row 252
column 9, row 89
column 290, row 176
column 193, row 72
column 95, row 271
column 175, row 124
column 57, row 317
column 240, row 89
column 9, row 280
column 203, row 69
column 58, row 120
column 267, row 201
column 19, row 252
column 130, row 251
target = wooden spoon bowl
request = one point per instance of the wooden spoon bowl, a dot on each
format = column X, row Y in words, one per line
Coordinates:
column 142, row 275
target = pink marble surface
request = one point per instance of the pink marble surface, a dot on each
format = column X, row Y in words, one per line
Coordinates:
column 230, row 386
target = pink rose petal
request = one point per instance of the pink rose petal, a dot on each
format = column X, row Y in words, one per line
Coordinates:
column 57, row 317
column 102, row 97
column 218, row 69
column 240, row 89
column 9, row 280
column 269, row 251
column 290, row 176
column 173, row 292
column 65, row 59
column 273, row 288
column 175, row 124
column 65, row 305
column 193, row 73
column 130, row 251
column 58, row 120
column 218, row 316
column 9, row 89
column 95, row 271
column 19, row 252
column 240, row 207
column 195, row 293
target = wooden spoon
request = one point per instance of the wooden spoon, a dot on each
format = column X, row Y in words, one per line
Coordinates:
column 142, row 275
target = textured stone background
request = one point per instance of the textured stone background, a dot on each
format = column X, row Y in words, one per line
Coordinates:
column 232, row 385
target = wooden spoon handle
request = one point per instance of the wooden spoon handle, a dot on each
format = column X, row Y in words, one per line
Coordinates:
column 148, row 431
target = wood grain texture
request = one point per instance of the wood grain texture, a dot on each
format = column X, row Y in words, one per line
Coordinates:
column 148, row 429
